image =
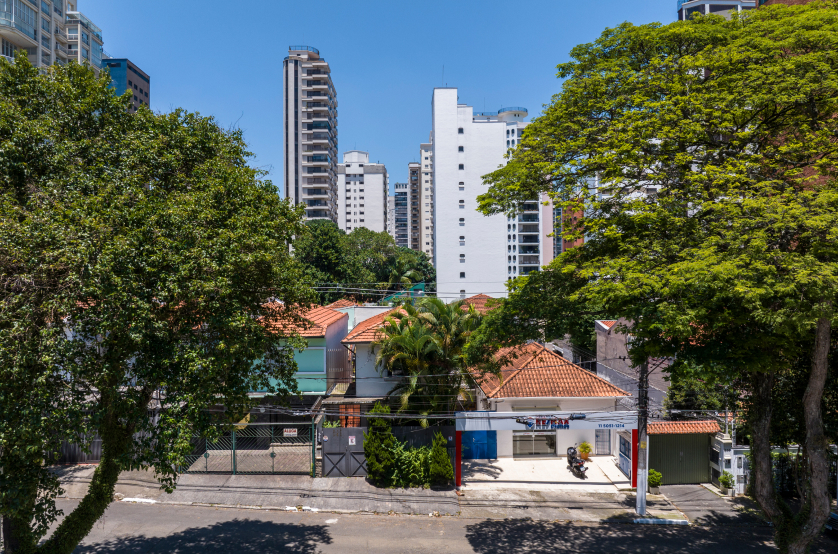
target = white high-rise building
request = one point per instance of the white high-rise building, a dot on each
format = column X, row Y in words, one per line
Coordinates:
column 362, row 193
column 310, row 133
column 426, row 198
column 686, row 8
column 474, row 253
column 49, row 31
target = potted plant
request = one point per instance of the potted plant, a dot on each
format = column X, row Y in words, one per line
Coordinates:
column 726, row 483
column 584, row 450
column 655, row 481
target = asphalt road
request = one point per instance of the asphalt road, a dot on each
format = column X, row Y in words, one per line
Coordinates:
column 156, row 528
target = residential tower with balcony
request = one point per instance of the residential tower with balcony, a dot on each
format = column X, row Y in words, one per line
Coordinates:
column 362, row 193
column 310, row 133
column 40, row 28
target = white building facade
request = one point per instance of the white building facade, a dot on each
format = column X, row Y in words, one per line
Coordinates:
column 50, row 32
column 426, row 196
column 473, row 253
column 310, row 133
column 725, row 8
column 362, row 193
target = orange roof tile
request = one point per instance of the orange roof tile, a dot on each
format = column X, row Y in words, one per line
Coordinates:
column 367, row 330
column 539, row 373
column 320, row 317
column 683, row 427
column 479, row 303
column 608, row 323
column 342, row 303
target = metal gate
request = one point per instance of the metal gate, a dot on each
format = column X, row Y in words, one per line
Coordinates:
column 602, row 446
column 681, row 459
column 343, row 452
column 272, row 448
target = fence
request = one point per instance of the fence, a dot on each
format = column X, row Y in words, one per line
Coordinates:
column 258, row 448
column 338, row 370
column 343, row 447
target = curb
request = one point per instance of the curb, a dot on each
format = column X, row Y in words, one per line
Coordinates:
column 650, row 521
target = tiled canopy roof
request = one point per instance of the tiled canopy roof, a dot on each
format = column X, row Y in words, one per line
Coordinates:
column 540, row 373
column 367, row 330
column 320, row 317
column 683, row 427
column 342, row 303
column 479, row 303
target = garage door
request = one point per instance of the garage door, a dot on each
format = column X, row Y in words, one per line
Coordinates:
column 681, row 459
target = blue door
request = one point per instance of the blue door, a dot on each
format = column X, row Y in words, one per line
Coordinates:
column 480, row 445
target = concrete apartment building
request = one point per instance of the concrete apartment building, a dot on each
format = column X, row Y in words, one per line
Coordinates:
column 49, row 31
column 426, row 203
column 310, row 133
column 126, row 76
column 362, row 193
column 391, row 215
column 473, row 253
column 401, row 214
column 415, row 201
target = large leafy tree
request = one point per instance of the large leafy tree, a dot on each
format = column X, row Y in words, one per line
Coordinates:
column 138, row 253
column 702, row 155
column 426, row 345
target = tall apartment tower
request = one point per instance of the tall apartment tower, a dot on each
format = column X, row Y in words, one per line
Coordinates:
column 686, row 8
column 362, row 193
column 475, row 253
column 49, row 31
column 310, row 133
column 401, row 216
column 415, row 202
column 426, row 203
column 391, row 215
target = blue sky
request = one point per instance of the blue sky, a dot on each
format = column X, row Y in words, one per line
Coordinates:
column 224, row 58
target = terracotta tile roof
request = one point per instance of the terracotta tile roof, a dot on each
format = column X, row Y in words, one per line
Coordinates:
column 367, row 330
column 683, row 427
column 538, row 372
column 342, row 303
column 320, row 317
column 607, row 323
column 479, row 303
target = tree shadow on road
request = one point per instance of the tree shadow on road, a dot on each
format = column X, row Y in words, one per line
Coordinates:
column 239, row 536
column 525, row 536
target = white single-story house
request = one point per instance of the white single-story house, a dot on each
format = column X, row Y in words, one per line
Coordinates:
column 537, row 379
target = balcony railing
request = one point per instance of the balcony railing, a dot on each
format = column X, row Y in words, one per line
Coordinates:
column 60, row 33
column 305, row 49
column 61, row 50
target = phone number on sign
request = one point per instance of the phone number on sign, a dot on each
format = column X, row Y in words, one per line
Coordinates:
column 612, row 425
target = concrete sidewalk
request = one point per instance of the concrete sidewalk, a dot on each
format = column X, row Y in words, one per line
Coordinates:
column 356, row 495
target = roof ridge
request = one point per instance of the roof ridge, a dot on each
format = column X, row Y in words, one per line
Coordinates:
column 502, row 383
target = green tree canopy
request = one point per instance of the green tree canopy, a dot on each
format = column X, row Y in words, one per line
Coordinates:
column 702, row 157
column 137, row 256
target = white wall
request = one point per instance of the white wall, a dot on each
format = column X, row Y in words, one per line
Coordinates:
column 362, row 205
column 368, row 382
column 336, row 332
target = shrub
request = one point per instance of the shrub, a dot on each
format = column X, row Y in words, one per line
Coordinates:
column 331, row 424
column 379, row 445
column 585, row 448
column 726, row 480
column 655, row 478
column 411, row 466
column 441, row 472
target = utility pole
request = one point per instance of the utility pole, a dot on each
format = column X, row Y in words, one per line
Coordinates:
column 642, row 448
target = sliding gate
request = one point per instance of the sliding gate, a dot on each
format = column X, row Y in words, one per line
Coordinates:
column 260, row 448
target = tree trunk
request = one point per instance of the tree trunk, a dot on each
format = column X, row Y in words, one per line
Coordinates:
column 760, row 420
column 75, row 527
column 815, row 501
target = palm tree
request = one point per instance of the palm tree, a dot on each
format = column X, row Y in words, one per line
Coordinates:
column 426, row 345
column 402, row 274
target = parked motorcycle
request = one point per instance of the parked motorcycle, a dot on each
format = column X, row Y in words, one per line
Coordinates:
column 575, row 463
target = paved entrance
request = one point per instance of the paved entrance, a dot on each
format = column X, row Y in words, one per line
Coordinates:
column 703, row 507
column 535, row 474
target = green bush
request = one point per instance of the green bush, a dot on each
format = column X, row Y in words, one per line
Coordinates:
column 440, row 470
column 585, row 448
column 411, row 466
column 331, row 424
column 379, row 445
column 655, row 478
column 726, row 480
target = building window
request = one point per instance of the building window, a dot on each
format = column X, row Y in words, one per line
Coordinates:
column 460, row 131
column 462, row 166
column 462, row 222
column 462, row 204
column 462, row 258
column 462, row 241
column 462, row 275
column 460, row 149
